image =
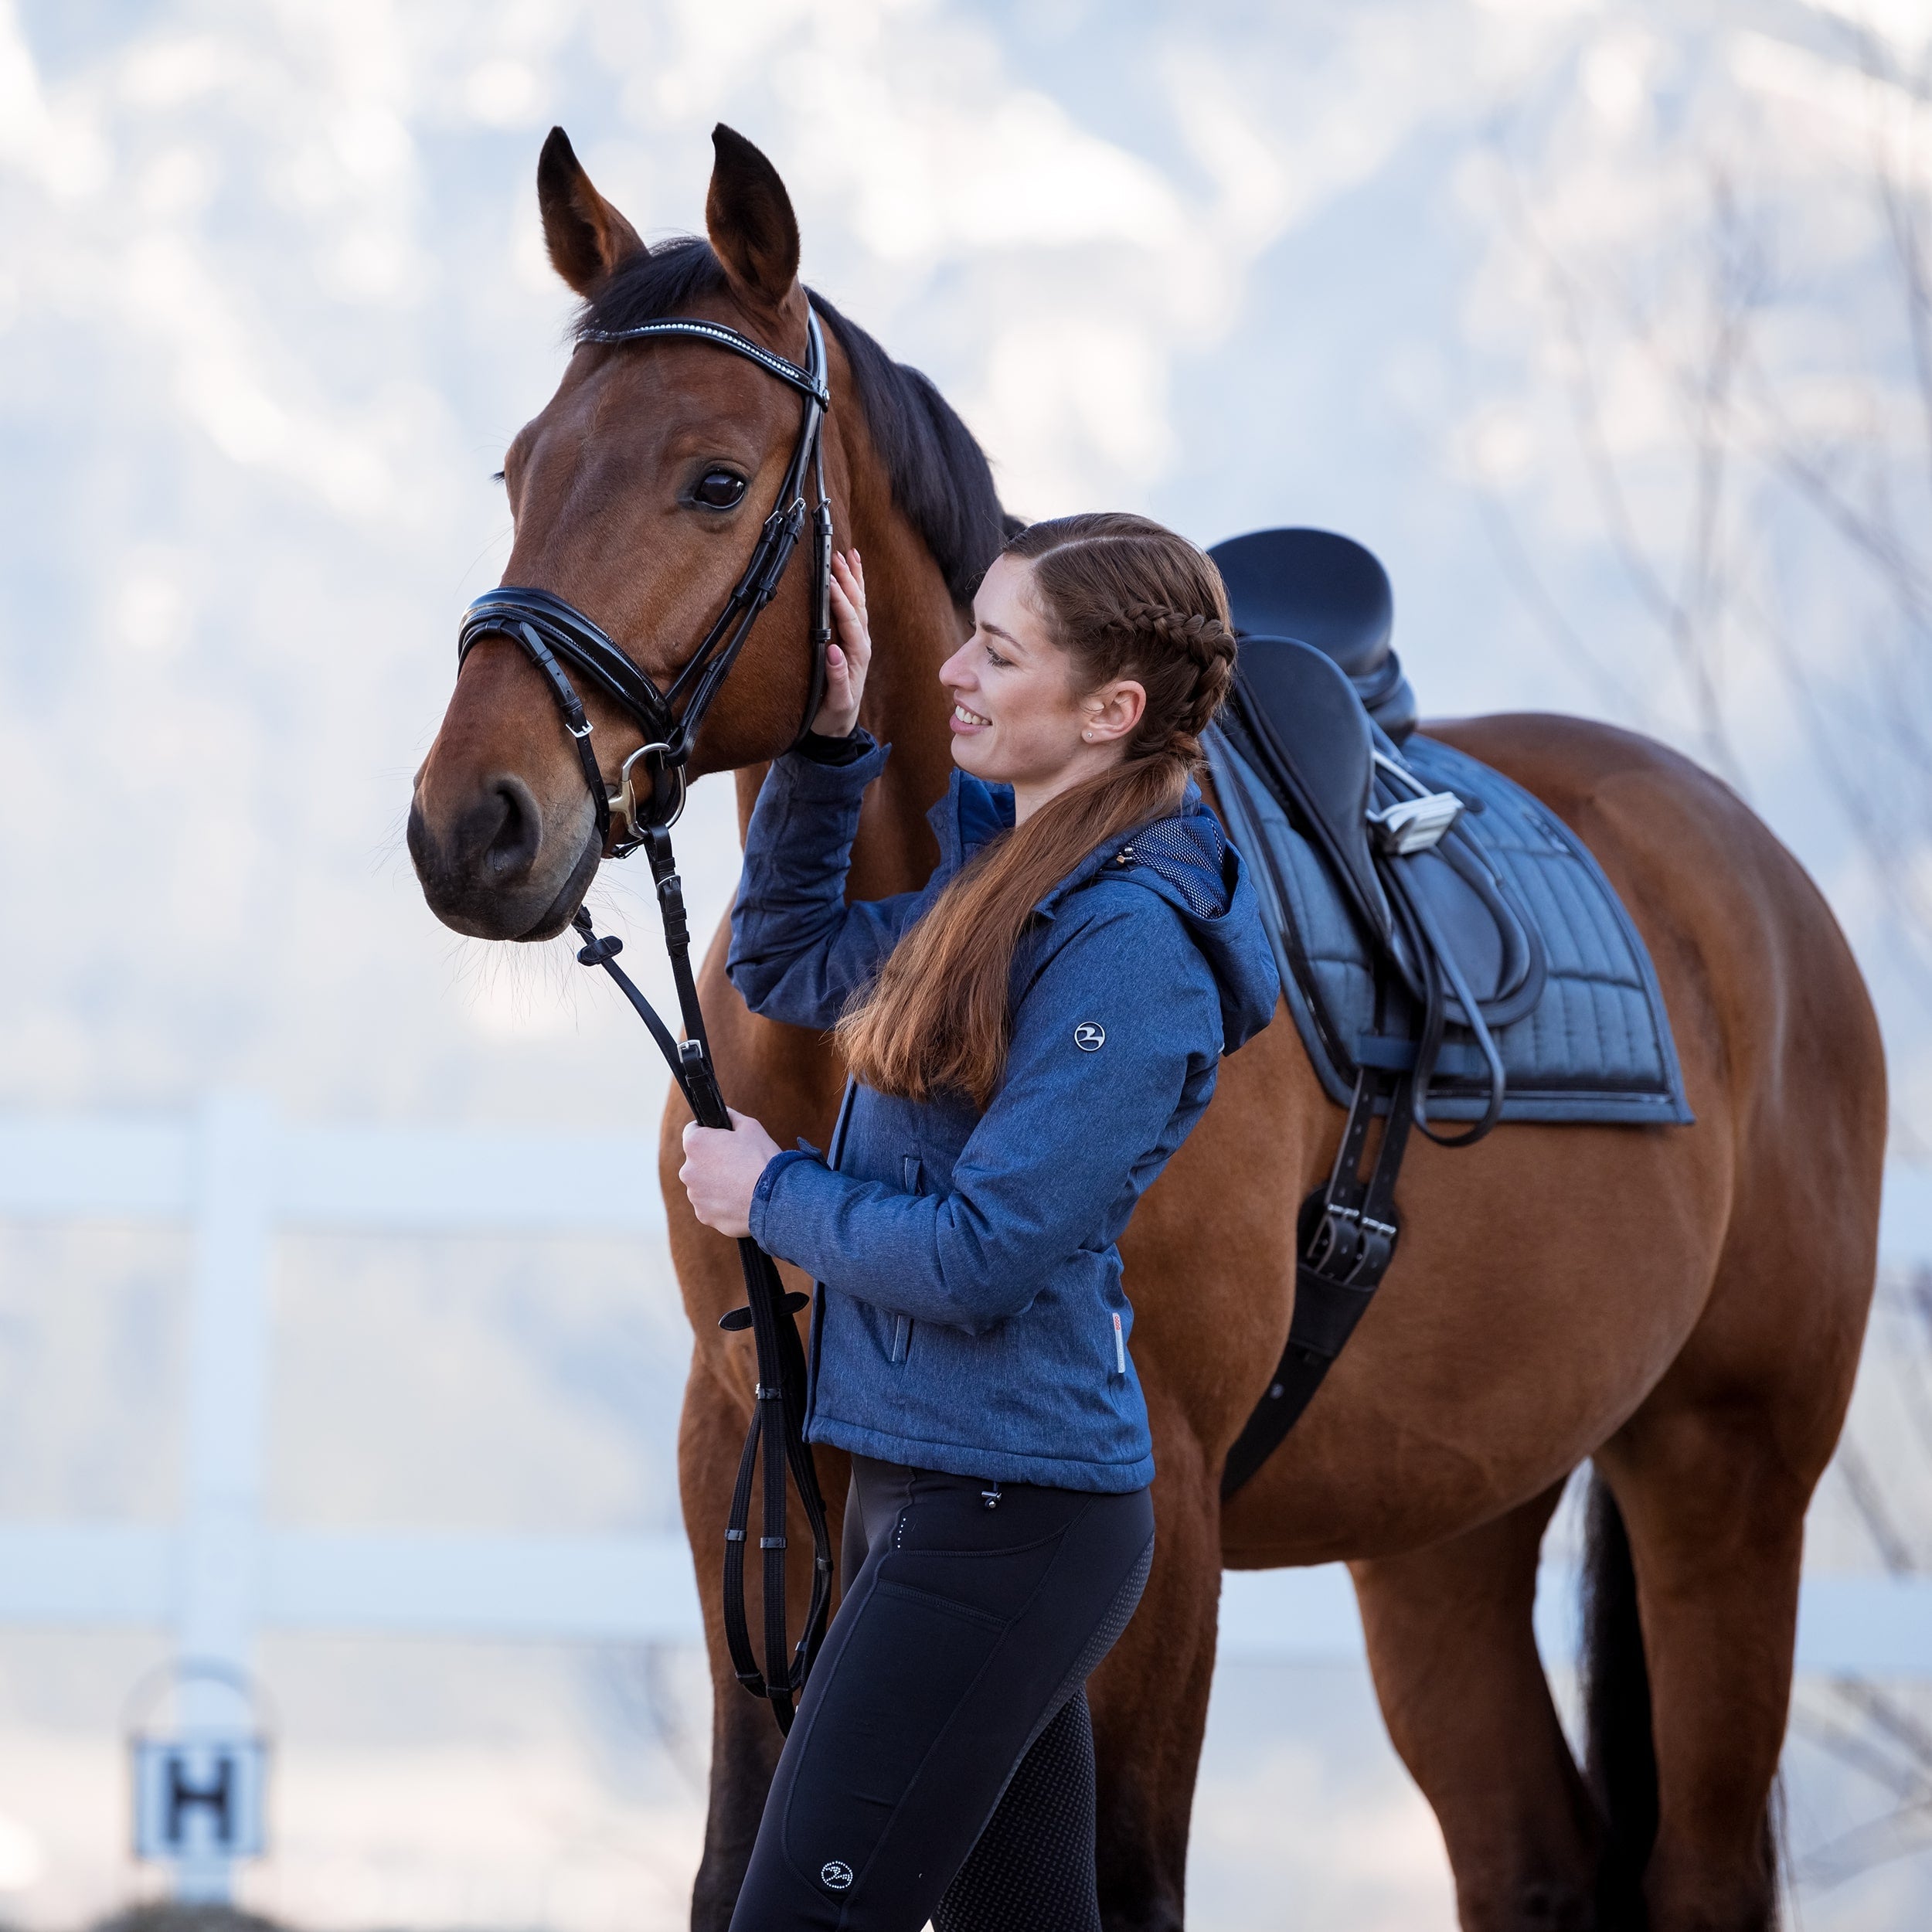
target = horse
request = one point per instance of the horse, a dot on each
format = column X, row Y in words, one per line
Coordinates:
column 1681, row 1308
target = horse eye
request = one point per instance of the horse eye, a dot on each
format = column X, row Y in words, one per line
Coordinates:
column 720, row 489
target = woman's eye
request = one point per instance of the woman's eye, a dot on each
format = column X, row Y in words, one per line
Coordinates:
column 720, row 489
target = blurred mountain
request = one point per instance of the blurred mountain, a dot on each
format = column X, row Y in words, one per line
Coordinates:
column 273, row 299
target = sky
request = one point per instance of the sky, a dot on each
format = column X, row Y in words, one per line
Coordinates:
column 1592, row 320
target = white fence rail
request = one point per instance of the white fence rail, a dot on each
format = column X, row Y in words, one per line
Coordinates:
column 240, row 1178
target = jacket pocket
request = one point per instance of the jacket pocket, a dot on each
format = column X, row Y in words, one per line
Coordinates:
column 912, row 1178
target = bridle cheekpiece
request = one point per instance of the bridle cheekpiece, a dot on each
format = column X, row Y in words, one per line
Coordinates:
column 552, row 634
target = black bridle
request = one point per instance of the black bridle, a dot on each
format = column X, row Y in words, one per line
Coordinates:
column 553, row 634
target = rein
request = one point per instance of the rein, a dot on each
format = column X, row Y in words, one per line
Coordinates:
column 553, row 634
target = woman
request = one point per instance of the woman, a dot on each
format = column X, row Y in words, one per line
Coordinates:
column 1029, row 1038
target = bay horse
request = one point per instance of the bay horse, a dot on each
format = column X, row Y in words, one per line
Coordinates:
column 1681, row 1306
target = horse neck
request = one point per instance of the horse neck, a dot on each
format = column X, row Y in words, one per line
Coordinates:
column 915, row 627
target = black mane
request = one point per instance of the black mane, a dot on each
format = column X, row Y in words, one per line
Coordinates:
column 940, row 476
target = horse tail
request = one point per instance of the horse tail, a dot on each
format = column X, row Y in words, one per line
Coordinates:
column 1620, row 1760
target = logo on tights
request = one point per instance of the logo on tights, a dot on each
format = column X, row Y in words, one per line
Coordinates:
column 834, row 1875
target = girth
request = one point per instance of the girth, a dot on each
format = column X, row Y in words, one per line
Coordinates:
column 554, row 633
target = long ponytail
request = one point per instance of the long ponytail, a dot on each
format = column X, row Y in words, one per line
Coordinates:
column 1123, row 596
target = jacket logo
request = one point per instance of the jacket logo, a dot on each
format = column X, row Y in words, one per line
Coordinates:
column 834, row 1875
column 1090, row 1036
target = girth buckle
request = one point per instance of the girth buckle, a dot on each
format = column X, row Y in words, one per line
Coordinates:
column 1349, row 1245
column 1335, row 1248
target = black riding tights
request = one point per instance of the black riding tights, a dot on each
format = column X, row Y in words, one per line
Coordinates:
column 941, row 1766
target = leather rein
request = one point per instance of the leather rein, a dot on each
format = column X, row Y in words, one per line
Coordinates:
column 639, row 811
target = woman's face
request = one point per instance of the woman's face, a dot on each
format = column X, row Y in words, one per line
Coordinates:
column 1018, row 718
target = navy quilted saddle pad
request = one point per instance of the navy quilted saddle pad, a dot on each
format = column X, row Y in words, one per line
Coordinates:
column 1596, row 1045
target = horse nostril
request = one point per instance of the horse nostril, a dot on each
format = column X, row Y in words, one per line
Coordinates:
column 513, row 845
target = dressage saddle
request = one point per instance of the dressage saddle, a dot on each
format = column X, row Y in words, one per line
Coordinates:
column 1439, row 929
column 1312, row 720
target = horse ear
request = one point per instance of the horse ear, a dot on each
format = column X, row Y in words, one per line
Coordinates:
column 586, row 236
column 748, row 215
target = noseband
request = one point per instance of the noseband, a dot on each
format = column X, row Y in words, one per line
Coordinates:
column 553, row 634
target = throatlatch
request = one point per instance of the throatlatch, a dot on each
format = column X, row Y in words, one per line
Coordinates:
column 552, row 634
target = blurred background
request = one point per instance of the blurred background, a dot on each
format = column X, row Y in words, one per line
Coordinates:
column 1607, row 326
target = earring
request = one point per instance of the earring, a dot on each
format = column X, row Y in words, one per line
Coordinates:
column 1088, row 736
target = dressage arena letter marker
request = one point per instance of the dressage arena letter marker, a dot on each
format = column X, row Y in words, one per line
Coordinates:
column 197, row 1798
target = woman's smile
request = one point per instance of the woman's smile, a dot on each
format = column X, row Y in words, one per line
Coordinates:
column 1018, row 714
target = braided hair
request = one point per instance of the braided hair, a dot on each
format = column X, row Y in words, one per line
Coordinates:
column 1200, row 646
column 1123, row 597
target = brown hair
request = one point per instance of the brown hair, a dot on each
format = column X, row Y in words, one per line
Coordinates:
column 1123, row 597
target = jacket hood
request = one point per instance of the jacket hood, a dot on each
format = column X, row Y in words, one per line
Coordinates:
column 1186, row 860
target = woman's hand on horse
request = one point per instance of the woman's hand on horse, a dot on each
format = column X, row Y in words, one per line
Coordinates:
column 849, row 653
column 721, row 1167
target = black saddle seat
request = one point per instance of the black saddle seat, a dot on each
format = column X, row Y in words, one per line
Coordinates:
column 1328, row 591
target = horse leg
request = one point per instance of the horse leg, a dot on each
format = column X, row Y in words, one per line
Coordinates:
column 1150, row 1696
column 1712, row 1476
column 745, row 1738
column 1468, row 1708
column 1716, row 1526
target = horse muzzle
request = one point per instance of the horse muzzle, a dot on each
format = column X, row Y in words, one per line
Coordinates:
column 500, row 865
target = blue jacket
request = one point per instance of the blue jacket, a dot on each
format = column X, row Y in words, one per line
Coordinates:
column 970, row 1316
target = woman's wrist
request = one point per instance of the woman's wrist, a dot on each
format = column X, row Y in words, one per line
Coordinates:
column 824, row 749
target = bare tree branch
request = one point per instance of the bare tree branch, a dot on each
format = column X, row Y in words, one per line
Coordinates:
column 1901, row 1835
column 1506, row 542
column 1688, row 618
column 1858, row 1749
column 1889, row 1716
column 1868, row 1498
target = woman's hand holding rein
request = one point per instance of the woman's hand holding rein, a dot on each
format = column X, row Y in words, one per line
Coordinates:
column 849, row 654
column 721, row 1170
